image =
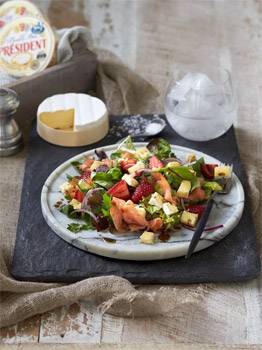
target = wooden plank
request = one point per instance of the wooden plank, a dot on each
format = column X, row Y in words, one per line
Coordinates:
column 77, row 323
column 24, row 332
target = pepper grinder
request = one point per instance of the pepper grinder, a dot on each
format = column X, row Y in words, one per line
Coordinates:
column 11, row 140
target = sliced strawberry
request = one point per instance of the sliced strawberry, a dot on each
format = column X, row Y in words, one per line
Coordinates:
column 142, row 190
column 207, row 170
column 196, row 209
column 197, row 195
column 79, row 196
column 154, row 162
column 86, row 175
column 120, row 190
column 127, row 163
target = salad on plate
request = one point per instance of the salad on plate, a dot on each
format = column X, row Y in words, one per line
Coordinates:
column 144, row 190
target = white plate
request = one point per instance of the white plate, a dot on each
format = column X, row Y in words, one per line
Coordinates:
column 227, row 211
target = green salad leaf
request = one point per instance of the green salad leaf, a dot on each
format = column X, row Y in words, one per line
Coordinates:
column 115, row 155
column 106, row 205
column 76, row 165
column 197, row 166
column 160, row 148
column 171, row 221
column 127, row 144
column 212, row 186
column 69, row 211
column 107, row 179
column 76, row 227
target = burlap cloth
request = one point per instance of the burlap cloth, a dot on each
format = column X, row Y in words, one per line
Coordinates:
column 125, row 92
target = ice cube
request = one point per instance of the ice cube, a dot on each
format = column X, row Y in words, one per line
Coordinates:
column 195, row 81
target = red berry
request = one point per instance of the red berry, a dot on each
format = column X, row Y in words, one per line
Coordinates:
column 196, row 209
column 120, row 190
column 86, row 175
column 79, row 196
column 142, row 190
column 207, row 170
column 127, row 163
column 154, row 162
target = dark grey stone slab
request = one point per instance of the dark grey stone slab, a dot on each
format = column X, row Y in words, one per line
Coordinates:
column 40, row 255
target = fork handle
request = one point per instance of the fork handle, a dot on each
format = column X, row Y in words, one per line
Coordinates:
column 200, row 227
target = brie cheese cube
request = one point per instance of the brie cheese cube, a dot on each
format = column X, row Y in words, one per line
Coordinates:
column 223, row 171
column 129, row 179
column 138, row 166
column 157, row 200
column 189, row 219
column 83, row 185
column 75, row 204
column 147, row 238
column 95, row 165
column 142, row 153
column 65, row 187
column 191, row 158
column 173, row 164
column 169, row 209
column 184, row 189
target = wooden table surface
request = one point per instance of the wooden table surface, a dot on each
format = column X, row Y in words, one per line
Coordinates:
column 150, row 36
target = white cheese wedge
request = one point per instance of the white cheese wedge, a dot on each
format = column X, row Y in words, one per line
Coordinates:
column 138, row 166
column 169, row 209
column 72, row 119
column 129, row 179
column 75, row 204
column 157, row 200
column 147, row 238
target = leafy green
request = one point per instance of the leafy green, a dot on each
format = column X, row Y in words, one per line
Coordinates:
column 115, row 173
column 76, row 165
column 212, row 186
column 171, row 221
column 115, row 155
column 106, row 205
column 197, row 166
column 127, row 144
column 108, row 179
column 76, row 227
column 161, row 148
column 69, row 211
column 103, row 180
column 69, row 177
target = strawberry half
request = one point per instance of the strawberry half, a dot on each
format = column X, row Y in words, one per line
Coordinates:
column 127, row 163
column 154, row 162
column 120, row 190
column 86, row 175
column 207, row 170
column 196, row 209
column 142, row 190
column 79, row 196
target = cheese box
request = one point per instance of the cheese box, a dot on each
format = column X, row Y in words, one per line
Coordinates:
column 11, row 10
column 72, row 119
column 26, row 46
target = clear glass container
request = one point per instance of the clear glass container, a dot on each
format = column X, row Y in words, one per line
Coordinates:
column 201, row 106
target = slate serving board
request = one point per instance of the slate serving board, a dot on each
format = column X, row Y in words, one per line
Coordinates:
column 40, row 255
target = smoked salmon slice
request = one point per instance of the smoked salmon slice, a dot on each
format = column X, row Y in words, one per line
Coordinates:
column 164, row 186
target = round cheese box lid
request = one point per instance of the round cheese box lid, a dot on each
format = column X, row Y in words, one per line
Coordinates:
column 72, row 119
column 11, row 10
column 26, row 46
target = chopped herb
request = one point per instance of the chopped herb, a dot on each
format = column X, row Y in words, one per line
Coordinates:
column 75, row 227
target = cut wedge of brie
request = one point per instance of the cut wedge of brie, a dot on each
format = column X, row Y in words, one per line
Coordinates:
column 72, row 119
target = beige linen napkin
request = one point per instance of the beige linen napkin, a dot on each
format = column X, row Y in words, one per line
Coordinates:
column 125, row 92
